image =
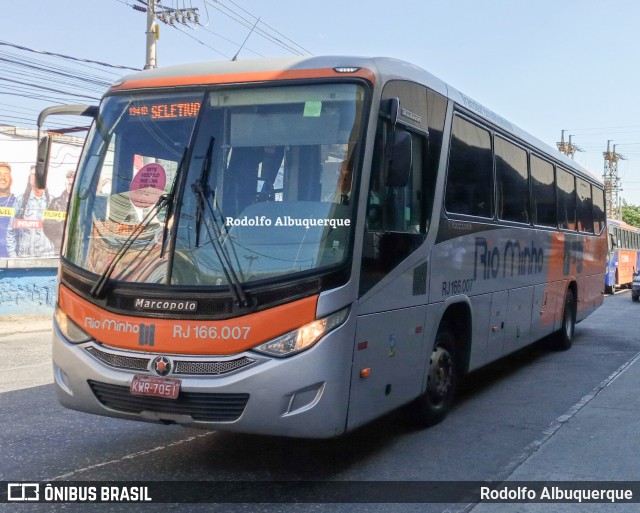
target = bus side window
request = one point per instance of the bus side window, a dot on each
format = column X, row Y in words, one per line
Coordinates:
column 513, row 181
column 598, row 209
column 469, row 188
column 543, row 192
column 584, row 206
column 566, row 190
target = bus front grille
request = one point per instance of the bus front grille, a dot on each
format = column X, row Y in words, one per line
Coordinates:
column 212, row 368
column 202, row 367
column 206, row 407
column 119, row 361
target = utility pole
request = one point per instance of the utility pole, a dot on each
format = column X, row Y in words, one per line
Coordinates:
column 168, row 16
column 152, row 36
column 612, row 182
column 569, row 148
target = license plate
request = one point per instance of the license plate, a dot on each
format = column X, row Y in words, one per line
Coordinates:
column 155, row 387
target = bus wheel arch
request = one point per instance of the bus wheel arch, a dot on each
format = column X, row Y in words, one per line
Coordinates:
column 447, row 362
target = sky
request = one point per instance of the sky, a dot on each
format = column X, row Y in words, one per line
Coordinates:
column 544, row 65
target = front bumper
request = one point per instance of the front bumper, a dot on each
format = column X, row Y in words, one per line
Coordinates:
column 305, row 395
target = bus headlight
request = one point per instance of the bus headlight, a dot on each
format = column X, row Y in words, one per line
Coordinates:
column 71, row 331
column 303, row 338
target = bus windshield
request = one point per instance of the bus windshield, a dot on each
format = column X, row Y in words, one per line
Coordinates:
column 259, row 181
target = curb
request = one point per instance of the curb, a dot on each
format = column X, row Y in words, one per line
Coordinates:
column 12, row 324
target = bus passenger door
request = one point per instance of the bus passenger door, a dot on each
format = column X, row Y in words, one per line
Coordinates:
column 389, row 353
column 389, row 357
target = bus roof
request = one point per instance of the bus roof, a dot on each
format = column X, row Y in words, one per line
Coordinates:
column 375, row 69
column 622, row 224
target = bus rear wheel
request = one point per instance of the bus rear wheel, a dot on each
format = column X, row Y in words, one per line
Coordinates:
column 434, row 405
column 564, row 337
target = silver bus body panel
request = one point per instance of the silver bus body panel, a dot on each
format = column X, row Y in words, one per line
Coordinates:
column 391, row 346
column 303, row 396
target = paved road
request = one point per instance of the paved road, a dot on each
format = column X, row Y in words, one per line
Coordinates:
column 505, row 413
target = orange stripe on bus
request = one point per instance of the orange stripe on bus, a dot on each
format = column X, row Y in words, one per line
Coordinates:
column 254, row 76
column 181, row 336
column 566, row 263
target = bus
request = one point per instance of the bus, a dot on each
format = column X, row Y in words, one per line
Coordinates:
column 298, row 246
column 624, row 255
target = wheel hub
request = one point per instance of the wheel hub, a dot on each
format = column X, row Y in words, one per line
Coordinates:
column 440, row 374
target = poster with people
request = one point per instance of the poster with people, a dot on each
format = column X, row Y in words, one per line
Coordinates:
column 32, row 219
column 36, row 223
column 7, row 200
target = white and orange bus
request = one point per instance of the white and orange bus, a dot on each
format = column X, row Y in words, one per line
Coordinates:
column 297, row 246
column 624, row 255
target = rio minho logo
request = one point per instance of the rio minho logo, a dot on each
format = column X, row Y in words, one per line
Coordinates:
column 147, row 335
column 23, row 492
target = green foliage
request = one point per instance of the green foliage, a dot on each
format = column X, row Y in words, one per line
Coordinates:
column 631, row 214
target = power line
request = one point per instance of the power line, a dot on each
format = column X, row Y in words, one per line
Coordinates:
column 68, row 57
column 238, row 18
column 229, row 40
column 271, row 28
column 203, row 43
column 30, row 70
column 49, row 89
column 41, row 79
column 603, row 128
column 39, row 69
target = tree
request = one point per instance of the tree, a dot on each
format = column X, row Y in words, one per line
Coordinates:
column 631, row 214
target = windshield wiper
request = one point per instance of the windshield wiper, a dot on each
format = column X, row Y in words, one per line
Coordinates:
column 169, row 212
column 162, row 201
column 202, row 191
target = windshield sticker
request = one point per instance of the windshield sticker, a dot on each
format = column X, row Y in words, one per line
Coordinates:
column 312, row 108
column 148, row 185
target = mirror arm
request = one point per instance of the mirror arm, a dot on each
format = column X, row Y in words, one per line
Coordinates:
column 44, row 143
column 70, row 110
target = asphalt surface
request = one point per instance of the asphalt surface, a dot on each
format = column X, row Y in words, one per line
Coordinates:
column 537, row 415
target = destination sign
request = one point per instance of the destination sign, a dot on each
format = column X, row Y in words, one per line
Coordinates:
column 165, row 110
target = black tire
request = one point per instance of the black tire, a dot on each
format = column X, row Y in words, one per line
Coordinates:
column 564, row 337
column 635, row 298
column 434, row 405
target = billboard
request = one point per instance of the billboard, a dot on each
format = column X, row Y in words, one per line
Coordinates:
column 32, row 219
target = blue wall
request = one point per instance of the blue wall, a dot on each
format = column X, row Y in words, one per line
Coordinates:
column 28, row 290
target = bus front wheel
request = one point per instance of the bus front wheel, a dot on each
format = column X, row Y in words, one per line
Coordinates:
column 434, row 405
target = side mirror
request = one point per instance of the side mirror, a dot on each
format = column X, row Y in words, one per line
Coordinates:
column 400, row 159
column 44, row 143
column 42, row 161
